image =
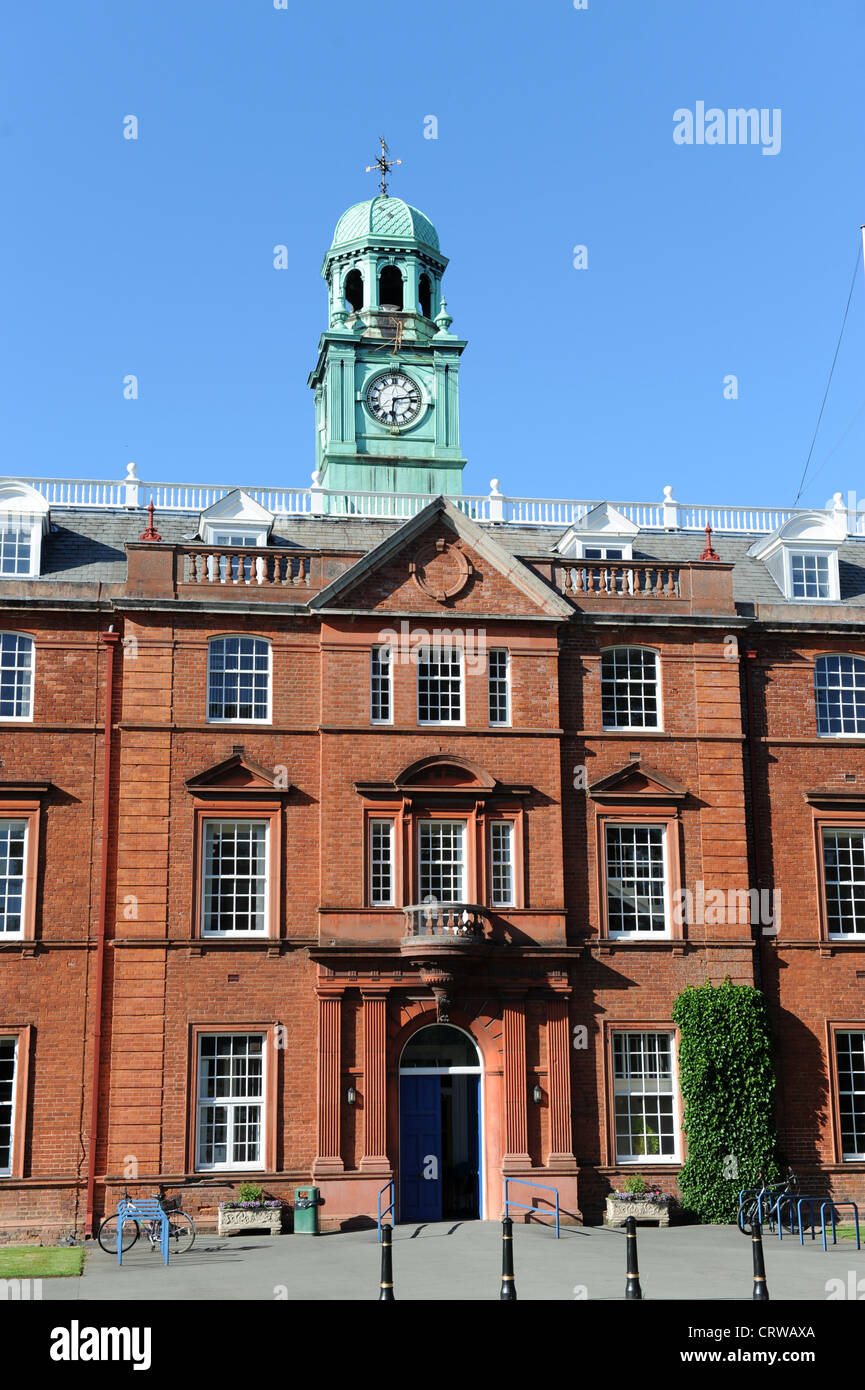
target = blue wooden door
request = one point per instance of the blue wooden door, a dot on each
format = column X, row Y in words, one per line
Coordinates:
column 420, row 1148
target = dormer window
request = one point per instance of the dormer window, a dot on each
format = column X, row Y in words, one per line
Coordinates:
column 604, row 533
column 802, row 557
column 236, row 521
column 24, row 521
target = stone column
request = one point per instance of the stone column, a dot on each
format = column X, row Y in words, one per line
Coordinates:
column 559, row 1061
column 328, row 1159
column 516, row 1153
column 374, row 1081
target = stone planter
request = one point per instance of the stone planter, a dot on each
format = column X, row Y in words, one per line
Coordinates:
column 620, row 1208
column 242, row 1219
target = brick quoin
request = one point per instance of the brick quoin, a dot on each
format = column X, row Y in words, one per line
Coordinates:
column 334, row 982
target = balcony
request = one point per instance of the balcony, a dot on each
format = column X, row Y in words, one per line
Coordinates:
column 644, row 586
column 444, row 928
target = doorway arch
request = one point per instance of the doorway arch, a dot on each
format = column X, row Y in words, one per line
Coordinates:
column 441, row 1160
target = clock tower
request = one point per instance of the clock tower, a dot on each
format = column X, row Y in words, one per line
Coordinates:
column 386, row 382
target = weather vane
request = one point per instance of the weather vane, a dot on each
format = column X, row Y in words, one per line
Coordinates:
column 383, row 165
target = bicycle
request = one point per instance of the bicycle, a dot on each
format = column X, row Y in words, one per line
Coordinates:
column 181, row 1227
column 764, row 1203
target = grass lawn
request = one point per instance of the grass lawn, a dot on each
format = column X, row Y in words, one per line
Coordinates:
column 40, row 1261
column 844, row 1232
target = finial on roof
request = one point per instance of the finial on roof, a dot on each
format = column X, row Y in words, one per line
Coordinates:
column 709, row 553
column 150, row 533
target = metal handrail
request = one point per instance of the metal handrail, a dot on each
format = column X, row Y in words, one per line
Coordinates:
column 832, row 1208
column 527, row 1205
column 391, row 1207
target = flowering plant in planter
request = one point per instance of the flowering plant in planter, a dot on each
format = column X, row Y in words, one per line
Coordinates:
column 251, row 1209
column 640, row 1200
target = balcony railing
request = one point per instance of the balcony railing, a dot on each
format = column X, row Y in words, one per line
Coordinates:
column 205, row 565
column 444, row 924
column 618, row 579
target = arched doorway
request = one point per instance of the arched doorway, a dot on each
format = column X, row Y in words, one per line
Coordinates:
column 440, row 1149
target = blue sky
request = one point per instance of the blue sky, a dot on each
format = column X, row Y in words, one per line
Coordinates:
column 555, row 129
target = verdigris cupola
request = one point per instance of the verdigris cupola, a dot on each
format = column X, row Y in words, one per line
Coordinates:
column 386, row 381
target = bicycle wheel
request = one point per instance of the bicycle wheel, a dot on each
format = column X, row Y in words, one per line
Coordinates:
column 745, row 1218
column 181, row 1232
column 107, row 1236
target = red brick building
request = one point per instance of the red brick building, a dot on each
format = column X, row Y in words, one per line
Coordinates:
column 268, row 813
column 351, row 836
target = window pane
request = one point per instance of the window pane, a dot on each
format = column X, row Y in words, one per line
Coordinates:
column 380, row 685
column 235, row 876
column 230, row 1100
column 8, row 1056
column 381, row 862
column 13, row 843
column 439, row 686
column 629, row 688
column 850, row 1053
column 643, row 1086
column 844, row 867
column 498, row 686
column 839, row 683
column 442, row 861
column 16, row 675
column 501, row 856
column 810, row 574
column 14, row 549
column 636, row 879
column 238, row 679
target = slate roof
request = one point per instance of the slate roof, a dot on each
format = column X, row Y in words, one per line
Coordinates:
column 86, row 547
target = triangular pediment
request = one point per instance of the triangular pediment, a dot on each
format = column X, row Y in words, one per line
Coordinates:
column 236, row 508
column 637, row 782
column 442, row 561
column 238, row 775
column 603, row 522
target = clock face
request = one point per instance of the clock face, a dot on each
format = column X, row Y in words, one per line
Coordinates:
column 393, row 399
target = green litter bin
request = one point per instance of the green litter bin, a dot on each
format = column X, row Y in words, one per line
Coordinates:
column 306, row 1205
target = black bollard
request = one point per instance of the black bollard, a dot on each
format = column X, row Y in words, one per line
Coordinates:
column 509, row 1288
column 386, row 1295
column 632, row 1285
column 761, row 1292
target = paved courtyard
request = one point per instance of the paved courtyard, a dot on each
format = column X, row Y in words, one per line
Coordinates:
column 461, row 1262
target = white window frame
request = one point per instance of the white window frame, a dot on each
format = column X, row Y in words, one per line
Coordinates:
column 441, row 821
column 22, row 637
column 422, row 656
column 384, row 676
column 244, row 538
column 624, row 550
column 859, row 1155
column 626, row 1089
column 231, row 1103
column 228, row 719
column 19, row 820
column 236, row 934
column 376, row 822
column 506, row 680
column 15, row 521
column 646, row 934
column 656, row 728
column 793, row 552
column 853, row 830
column 511, row 899
column 818, row 687
column 6, row 1172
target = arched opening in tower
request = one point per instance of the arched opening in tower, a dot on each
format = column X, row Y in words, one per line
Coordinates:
column 390, row 288
column 354, row 290
column 424, row 294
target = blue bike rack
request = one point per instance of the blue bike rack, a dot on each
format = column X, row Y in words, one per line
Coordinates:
column 528, row 1206
column 148, row 1209
column 391, row 1206
column 833, row 1207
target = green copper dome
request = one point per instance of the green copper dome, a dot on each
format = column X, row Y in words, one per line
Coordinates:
column 384, row 217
